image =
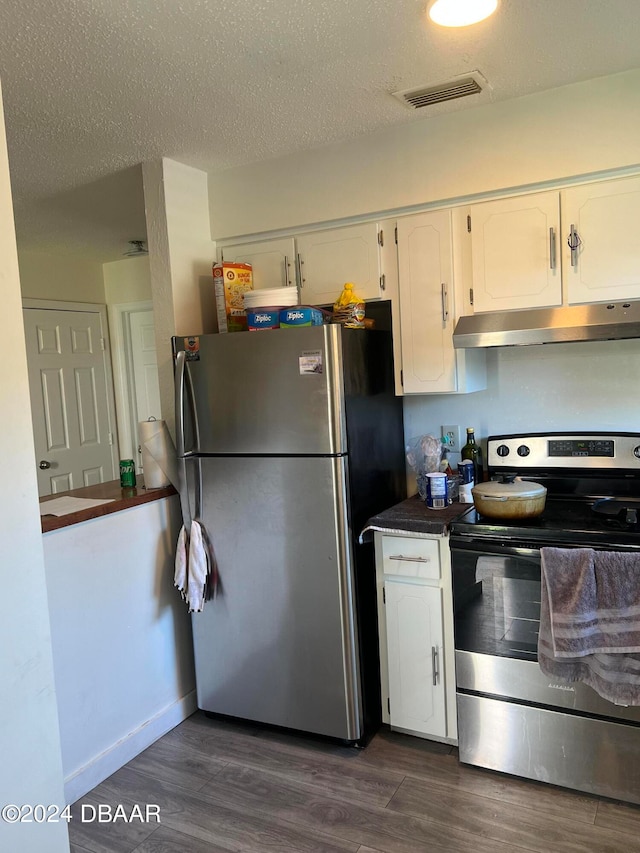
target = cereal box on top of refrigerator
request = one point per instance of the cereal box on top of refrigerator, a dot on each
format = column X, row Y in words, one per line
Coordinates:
column 231, row 281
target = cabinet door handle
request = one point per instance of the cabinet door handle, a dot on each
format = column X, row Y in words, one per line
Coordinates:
column 435, row 661
column 552, row 249
column 286, row 271
column 404, row 559
column 300, row 263
column 573, row 241
column 445, row 305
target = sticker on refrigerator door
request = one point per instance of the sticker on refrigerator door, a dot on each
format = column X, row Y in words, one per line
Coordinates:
column 192, row 349
column 310, row 362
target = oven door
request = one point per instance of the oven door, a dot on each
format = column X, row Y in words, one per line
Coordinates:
column 496, row 595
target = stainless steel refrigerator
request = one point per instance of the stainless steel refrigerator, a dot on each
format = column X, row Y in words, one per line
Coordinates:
column 291, row 440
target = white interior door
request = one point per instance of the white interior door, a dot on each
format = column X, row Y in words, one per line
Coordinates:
column 69, row 398
column 146, row 387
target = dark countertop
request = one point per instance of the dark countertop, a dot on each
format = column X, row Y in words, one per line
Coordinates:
column 413, row 516
column 120, row 499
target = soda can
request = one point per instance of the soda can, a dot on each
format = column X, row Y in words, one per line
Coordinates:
column 465, row 470
column 127, row 474
column 437, row 492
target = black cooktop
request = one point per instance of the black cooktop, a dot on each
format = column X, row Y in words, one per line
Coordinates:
column 565, row 520
column 593, row 490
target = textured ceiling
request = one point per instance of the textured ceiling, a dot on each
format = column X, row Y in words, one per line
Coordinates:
column 94, row 87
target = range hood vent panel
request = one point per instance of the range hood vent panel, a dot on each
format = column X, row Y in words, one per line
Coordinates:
column 606, row 321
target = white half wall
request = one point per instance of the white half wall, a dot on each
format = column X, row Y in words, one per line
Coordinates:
column 121, row 639
column 570, row 131
column 31, row 769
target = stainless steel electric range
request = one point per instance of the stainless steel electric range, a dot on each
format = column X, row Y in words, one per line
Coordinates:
column 510, row 718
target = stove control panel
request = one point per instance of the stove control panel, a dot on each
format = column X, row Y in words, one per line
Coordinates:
column 571, row 447
column 608, row 451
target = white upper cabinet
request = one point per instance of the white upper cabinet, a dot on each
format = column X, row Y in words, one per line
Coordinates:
column 599, row 220
column 273, row 261
column 515, row 251
column 328, row 259
column 428, row 299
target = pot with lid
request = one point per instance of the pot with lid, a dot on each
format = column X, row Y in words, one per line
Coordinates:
column 516, row 500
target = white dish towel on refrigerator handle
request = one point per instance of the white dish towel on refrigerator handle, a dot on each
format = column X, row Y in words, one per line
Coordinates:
column 195, row 571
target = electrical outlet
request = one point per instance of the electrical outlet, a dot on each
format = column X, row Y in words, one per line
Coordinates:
column 454, row 443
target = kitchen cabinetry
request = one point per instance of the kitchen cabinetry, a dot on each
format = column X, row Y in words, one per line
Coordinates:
column 416, row 635
column 273, row 261
column 319, row 262
column 599, row 220
column 515, row 252
column 543, row 249
column 327, row 259
column 430, row 297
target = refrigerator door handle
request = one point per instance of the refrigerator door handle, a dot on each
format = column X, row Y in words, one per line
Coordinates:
column 179, row 402
column 182, row 379
column 180, row 449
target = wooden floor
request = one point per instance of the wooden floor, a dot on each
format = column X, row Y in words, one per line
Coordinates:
column 221, row 786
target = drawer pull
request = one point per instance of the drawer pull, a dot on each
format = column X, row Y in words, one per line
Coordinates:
column 409, row 559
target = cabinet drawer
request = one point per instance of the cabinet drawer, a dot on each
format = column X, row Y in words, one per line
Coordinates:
column 410, row 557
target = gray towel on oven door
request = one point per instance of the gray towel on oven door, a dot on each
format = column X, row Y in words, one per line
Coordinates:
column 590, row 620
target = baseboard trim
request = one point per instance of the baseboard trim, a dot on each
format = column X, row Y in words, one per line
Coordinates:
column 112, row 759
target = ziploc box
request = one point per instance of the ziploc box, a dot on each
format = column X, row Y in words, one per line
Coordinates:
column 231, row 281
column 300, row 315
column 263, row 318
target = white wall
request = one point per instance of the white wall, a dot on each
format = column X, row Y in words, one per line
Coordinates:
column 570, row 131
column 578, row 386
column 121, row 639
column 128, row 280
column 181, row 255
column 30, row 770
column 60, row 276
column 587, row 128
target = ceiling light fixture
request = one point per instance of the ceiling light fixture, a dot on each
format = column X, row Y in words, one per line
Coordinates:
column 461, row 13
column 138, row 248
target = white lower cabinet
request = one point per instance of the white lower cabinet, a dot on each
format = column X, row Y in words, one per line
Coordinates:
column 415, row 619
column 414, row 652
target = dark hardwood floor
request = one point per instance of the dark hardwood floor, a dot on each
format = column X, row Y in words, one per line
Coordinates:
column 220, row 786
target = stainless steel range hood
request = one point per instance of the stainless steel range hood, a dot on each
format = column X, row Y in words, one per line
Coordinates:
column 607, row 321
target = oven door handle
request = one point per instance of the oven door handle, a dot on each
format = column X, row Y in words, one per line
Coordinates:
column 484, row 546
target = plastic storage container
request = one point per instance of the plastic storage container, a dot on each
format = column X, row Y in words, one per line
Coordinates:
column 263, row 306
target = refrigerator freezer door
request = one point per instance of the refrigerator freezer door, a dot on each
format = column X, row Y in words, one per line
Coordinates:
column 270, row 392
column 278, row 644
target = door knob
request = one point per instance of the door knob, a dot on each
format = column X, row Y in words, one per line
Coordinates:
column 44, row 464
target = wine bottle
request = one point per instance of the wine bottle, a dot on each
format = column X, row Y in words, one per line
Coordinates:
column 472, row 451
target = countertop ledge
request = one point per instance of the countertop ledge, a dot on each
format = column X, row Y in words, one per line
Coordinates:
column 413, row 516
column 120, row 499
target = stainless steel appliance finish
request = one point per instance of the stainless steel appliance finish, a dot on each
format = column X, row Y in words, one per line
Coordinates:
column 290, row 440
column 510, row 717
column 606, row 321
column 585, row 753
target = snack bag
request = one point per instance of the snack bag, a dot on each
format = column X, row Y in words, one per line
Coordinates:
column 348, row 309
column 424, row 455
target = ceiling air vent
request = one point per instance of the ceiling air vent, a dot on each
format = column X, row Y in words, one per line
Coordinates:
column 426, row 96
